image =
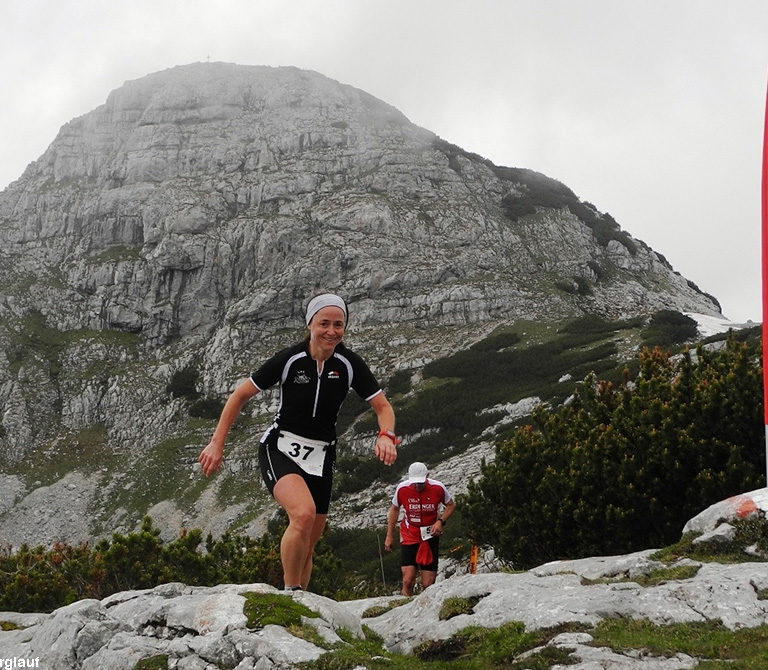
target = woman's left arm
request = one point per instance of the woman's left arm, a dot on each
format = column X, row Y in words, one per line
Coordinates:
column 386, row 448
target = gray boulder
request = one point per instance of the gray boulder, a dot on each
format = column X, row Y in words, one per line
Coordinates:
column 736, row 507
column 199, row 627
column 557, row 594
column 194, row 626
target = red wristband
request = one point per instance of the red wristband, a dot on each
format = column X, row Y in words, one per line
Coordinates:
column 395, row 439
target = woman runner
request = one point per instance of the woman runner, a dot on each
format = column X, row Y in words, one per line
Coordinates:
column 297, row 453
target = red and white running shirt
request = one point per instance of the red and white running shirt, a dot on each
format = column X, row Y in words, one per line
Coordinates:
column 421, row 507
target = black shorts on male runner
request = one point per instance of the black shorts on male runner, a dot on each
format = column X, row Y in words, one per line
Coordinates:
column 274, row 464
column 408, row 554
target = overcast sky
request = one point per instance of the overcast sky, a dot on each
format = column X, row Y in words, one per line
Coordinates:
column 652, row 111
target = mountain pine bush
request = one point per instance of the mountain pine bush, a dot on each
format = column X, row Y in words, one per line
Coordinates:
column 622, row 468
column 39, row 579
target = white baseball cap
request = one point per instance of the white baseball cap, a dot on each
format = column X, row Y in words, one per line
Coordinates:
column 417, row 473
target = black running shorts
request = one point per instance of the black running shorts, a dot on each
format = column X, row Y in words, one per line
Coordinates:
column 274, row 465
column 408, row 554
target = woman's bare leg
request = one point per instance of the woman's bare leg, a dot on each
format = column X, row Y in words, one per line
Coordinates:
column 292, row 494
column 317, row 531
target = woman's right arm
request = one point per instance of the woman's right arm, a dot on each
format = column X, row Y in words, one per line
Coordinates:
column 210, row 458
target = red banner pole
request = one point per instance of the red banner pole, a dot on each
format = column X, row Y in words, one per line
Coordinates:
column 765, row 278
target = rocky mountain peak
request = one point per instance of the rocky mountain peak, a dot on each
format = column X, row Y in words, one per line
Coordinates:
column 215, row 193
column 190, row 217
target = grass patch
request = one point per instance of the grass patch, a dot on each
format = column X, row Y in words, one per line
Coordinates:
column 116, row 253
column 309, row 633
column 378, row 610
column 31, row 338
column 85, row 451
column 452, row 607
column 672, row 573
column 262, row 609
column 713, row 552
column 159, row 662
column 153, row 473
column 368, row 652
column 654, row 578
column 470, row 649
column 475, row 647
column 712, row 641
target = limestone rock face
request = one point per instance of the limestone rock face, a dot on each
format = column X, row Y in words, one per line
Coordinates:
column 190, row 217
column 197, row 626
column 217, row 194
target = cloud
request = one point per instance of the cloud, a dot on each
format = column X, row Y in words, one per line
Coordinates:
column 652, row 111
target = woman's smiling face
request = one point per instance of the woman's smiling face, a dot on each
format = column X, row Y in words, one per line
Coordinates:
column 326, row 329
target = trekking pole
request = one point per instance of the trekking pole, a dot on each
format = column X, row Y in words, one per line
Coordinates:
column 381, row 560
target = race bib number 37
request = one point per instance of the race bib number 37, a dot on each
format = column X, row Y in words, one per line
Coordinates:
column 308, row 454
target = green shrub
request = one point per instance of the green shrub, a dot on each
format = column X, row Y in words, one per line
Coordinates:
column 605, row 229
column 567, row 286
column 518, row 205
column 667, row 327
column 448, row 414
column 239, row 559
column 598, row 269
column 533, row 190
column 183, row 383
column 400, row 382
column 623, row 468
column 497, row 341
column 352, row 408
column 575, row 285
column 206, row 408
column 41, row 580
column 133, row 561
column 594, row 324
column 347, row 564
column 36, row 580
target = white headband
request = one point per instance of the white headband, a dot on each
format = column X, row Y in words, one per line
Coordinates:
column 325, row 300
